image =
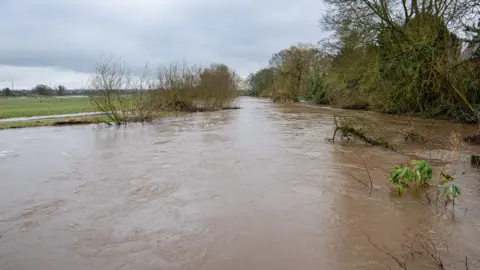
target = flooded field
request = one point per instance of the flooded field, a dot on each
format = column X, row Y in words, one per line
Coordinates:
column 256, row 188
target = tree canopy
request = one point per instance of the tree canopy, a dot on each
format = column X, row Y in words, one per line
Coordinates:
column 396, row 56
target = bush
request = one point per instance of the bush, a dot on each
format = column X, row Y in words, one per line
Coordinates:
column 417, row 173
column 121, row 95
column 125, row 97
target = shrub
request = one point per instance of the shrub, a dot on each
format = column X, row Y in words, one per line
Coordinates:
column 417, row 173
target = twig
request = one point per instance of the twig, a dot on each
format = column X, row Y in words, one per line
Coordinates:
column 336, row 128
column 358, row 180
column 369, row 185
column 431, row 248
column 402, row 264
column 368, row 173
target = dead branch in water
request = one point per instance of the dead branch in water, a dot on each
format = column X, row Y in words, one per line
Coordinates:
column 400, row 261
column 413, row 135
column 351, row 126
column 369, row 184
column 424, row 243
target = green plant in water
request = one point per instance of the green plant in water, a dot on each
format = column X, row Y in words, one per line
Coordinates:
column 416, row 173
column 449, row 193
column 400, row 177
column 422, row 171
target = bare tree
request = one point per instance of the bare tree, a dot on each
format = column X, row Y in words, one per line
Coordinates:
column 120, row 94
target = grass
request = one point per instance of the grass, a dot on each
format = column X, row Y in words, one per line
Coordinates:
column 26, row 107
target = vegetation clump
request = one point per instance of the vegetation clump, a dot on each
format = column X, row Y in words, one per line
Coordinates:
column 449, row 193
column 127, row 97
column 415, row 174
column 418, row 174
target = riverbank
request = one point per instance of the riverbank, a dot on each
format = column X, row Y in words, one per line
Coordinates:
column 460, row 118
column 64, row 121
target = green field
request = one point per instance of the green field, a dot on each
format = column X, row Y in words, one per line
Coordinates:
column 25, row 107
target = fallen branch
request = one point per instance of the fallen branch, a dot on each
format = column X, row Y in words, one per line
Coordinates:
column 354, row 126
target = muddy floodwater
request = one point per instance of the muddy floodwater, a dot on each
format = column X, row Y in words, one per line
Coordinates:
column 255, row 188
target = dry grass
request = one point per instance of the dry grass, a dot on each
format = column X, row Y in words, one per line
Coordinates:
column 456, row 144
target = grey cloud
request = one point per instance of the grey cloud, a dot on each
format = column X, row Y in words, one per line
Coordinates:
column 72, row 34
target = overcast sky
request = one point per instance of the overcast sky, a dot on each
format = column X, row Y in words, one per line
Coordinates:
column 58, row 41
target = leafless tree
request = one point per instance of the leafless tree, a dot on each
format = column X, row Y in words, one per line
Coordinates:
column 122, row 95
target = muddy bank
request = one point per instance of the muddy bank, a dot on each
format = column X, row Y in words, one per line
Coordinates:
column 257, row 188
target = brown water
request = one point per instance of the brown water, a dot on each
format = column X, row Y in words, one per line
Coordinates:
column 256, row 188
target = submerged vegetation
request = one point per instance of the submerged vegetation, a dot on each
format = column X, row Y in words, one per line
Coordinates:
column 409, row 57
column 415, row 174
column 361, row 128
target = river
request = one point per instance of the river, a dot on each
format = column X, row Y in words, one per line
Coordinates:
column 255, row 188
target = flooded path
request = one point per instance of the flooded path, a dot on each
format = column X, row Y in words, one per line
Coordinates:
column 22, row 119
column 256, row 188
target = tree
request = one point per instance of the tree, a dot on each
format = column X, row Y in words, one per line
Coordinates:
column 218, row 86
column 43, row 90
column 7, row 92
column 293, row 69
column 61, row 90
column 472, row 51
column 115, row 92
column 400, row 55
column 261, row 82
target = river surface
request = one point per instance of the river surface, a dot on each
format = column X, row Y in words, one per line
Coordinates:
column 255, row 188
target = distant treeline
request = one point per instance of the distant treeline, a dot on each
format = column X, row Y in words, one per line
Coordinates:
column 416, row 57
column 43, row 90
